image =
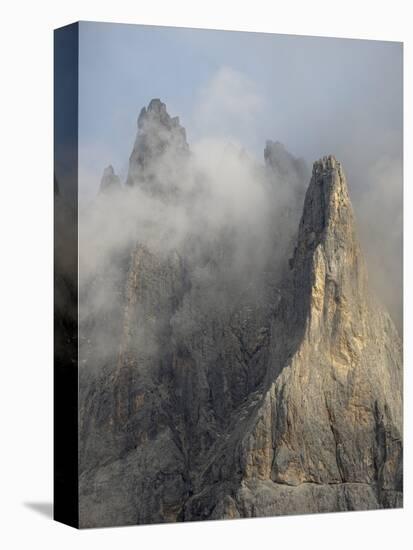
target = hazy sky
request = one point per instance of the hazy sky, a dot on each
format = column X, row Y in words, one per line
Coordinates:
column 315, row 95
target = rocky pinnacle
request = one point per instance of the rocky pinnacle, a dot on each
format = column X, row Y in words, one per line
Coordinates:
column 288, row 402
column 160, row 148
column 110, row 181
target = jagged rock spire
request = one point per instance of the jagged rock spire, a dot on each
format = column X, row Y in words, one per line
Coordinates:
column 110, row 181
column 332, row 414
column 328, row 268
column 327, row 213
column 159, row 149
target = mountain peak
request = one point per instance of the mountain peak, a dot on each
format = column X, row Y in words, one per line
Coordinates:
column 328, row 162
column 156, row 104
column 156, row 113
column 160, row 141
column 328, row 265
column 155, row 110
column 110, row 181
column 327, row 208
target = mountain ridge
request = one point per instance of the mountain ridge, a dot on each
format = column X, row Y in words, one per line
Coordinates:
column 285, row 398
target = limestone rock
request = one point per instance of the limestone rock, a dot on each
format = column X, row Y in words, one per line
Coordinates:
column 223, row 400
column 331, row 417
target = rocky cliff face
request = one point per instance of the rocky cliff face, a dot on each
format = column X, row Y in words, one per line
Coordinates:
column 225, row 396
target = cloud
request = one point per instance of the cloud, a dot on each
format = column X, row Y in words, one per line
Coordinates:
column 231, row 107
column 228, row 106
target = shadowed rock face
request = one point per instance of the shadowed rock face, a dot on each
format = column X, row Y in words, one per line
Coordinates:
column 159, row 152
column 289, row 169
column 110, row 181
column 284, row 399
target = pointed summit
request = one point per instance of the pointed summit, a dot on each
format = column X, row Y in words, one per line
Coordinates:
column 159, row 150
column 110, row 181
column 327, row 200
column 329, row 275
column 156, row 112
column 328, row 215
column 331, row 418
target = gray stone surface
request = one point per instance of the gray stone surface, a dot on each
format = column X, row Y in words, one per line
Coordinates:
column 159, row 152
column 223, row 398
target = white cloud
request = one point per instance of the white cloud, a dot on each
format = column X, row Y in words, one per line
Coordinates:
column 228, row 105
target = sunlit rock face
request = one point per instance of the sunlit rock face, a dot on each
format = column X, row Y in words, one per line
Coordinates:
column 209, row 394
column 327, row 434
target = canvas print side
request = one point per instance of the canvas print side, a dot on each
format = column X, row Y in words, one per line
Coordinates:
column 66, row 64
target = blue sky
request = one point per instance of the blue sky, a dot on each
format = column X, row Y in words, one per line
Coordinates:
column 315, row 95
